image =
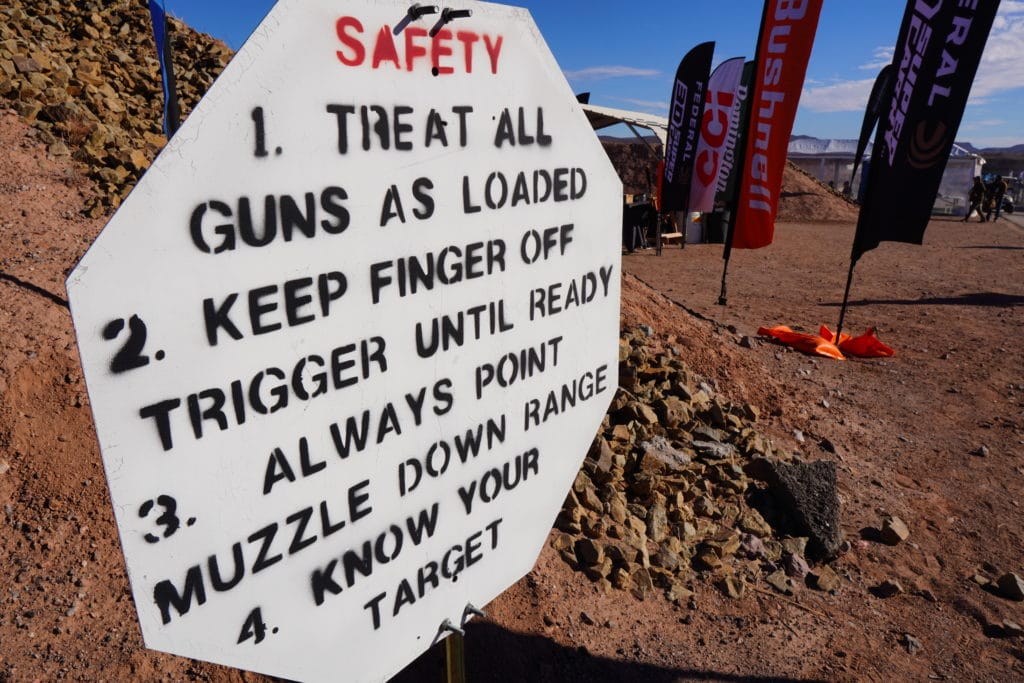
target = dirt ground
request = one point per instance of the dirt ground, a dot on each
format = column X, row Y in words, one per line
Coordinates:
column 907, row 432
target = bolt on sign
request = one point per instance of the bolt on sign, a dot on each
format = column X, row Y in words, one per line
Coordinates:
column 348, row 340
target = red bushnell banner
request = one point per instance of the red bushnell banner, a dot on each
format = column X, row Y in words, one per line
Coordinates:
column 784, row 48
column 720, row 116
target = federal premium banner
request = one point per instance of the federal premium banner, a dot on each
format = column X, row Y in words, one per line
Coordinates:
column 936, row 58
column 686, row 111
column 784, row 48
column 717, row 130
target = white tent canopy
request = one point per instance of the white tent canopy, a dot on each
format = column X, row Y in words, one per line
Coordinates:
column 603, row 117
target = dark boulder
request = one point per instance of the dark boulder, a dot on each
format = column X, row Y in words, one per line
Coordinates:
column 807, row 492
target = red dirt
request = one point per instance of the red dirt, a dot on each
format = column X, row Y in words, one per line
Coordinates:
column 904, row 429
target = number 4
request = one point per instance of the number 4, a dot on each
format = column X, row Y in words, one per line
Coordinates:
column 253, row 627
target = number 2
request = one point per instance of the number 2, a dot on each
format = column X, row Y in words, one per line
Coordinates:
column 130, row 356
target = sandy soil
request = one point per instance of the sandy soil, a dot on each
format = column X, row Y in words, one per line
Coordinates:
column 907, row 433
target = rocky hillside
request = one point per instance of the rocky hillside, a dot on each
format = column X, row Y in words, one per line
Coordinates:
column 85, row 74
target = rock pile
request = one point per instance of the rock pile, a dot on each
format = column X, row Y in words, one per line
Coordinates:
column 86, row 75
column 678, row 483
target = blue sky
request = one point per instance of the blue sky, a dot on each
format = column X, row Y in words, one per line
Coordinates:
column 625, row 54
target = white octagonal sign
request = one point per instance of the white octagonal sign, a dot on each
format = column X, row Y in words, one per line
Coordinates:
column 348, row 340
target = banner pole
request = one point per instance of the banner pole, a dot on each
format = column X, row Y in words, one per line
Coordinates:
column 846, row 299
column 742, row 157
column 161, row 30
column 657, row 234
column 723, row 298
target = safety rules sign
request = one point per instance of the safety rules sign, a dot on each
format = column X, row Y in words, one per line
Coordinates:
column 348, row 340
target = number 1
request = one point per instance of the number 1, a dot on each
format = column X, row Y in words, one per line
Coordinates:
column 261, row 132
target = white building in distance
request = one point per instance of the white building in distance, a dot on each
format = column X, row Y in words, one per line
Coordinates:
column 832, row 161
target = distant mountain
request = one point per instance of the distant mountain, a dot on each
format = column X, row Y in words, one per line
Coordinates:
column 993, row 151
column 1007, row 161
column 1016, row 149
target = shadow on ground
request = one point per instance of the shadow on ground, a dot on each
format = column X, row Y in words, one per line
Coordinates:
column 973, row 299
column 497, row 654
column 35, row 289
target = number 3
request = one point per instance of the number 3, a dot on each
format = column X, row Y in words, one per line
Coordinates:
column 169, row 519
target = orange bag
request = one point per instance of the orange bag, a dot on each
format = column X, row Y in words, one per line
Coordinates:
column 866, row 345
column 808, row 343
